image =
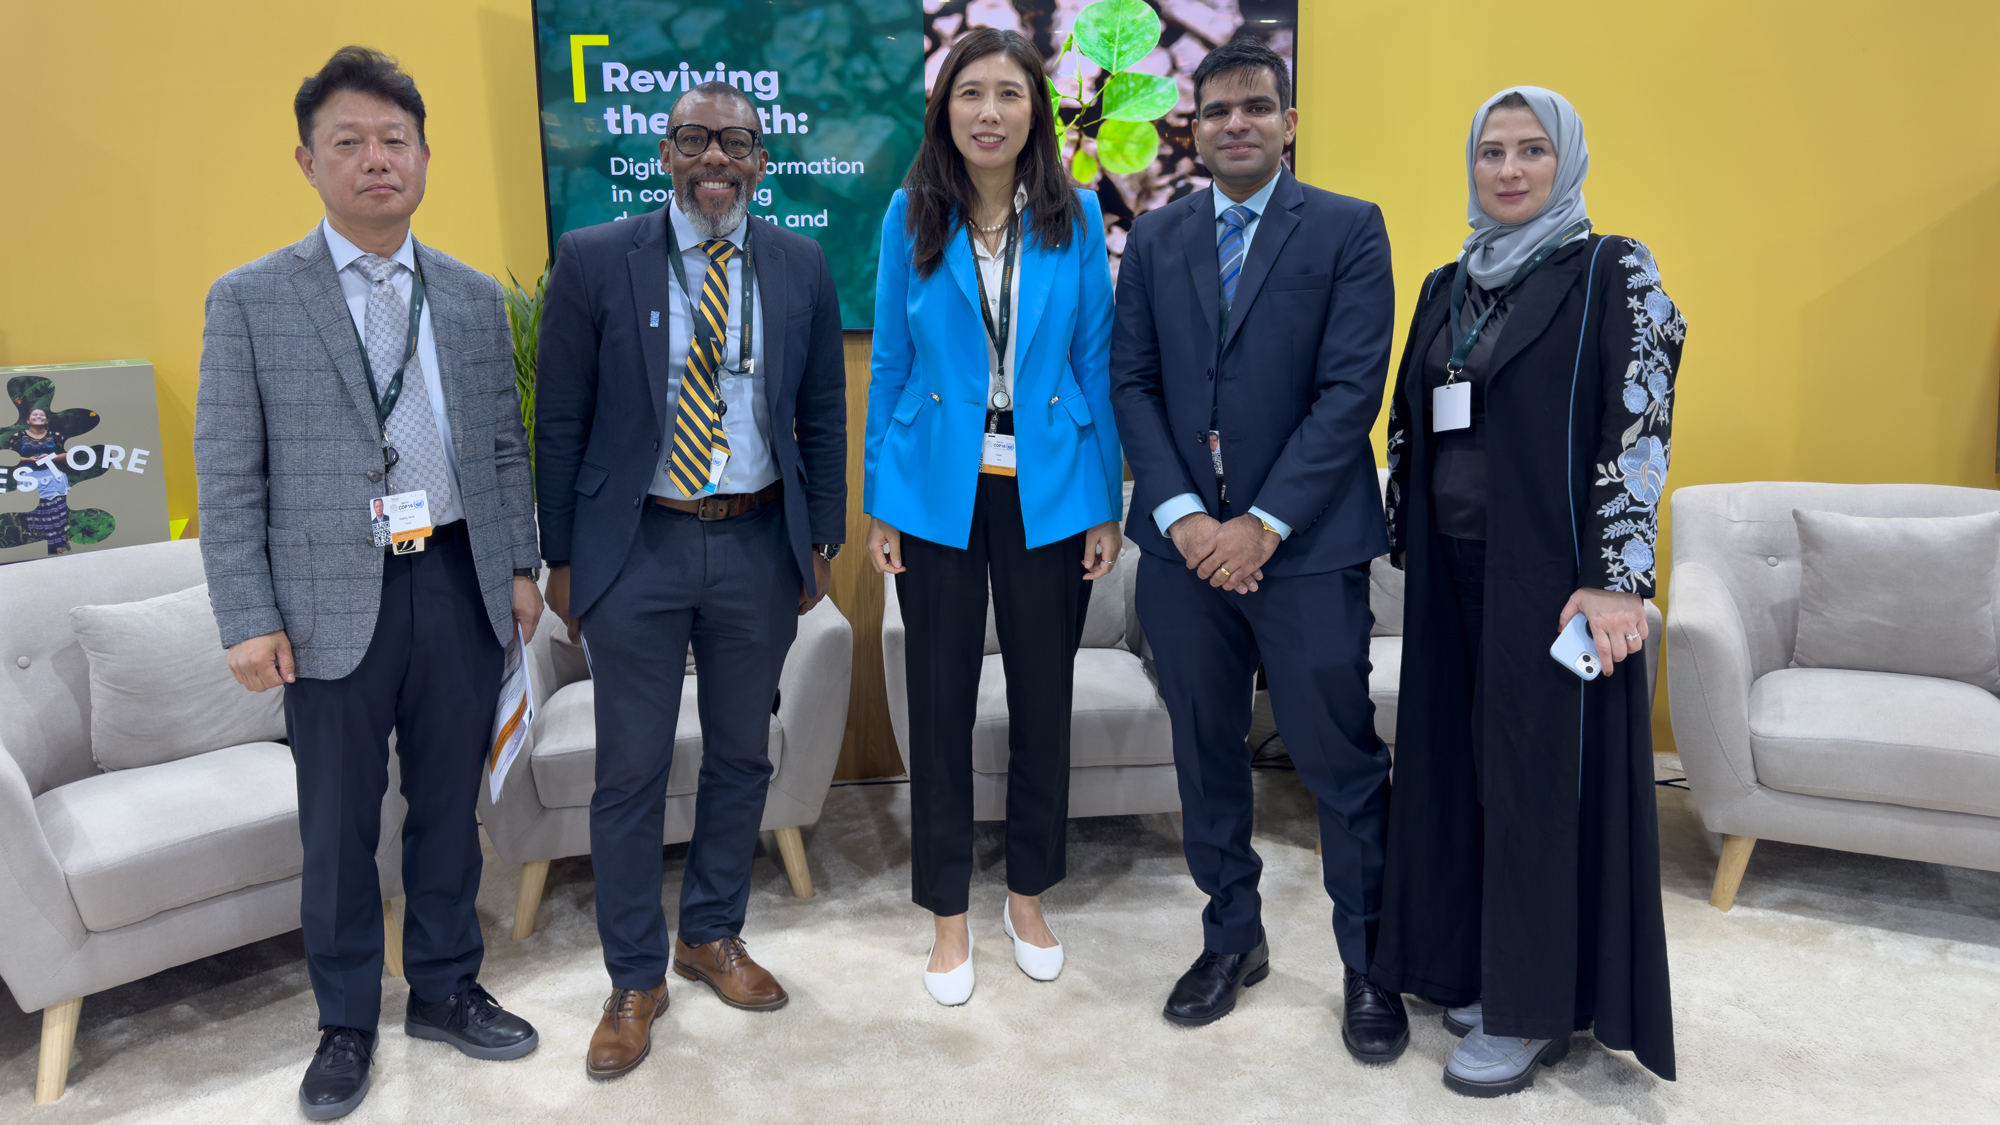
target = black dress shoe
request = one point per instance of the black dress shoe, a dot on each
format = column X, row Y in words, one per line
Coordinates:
column 1373, row 1025
column 337, row 1080
column 474, row 1022
column 1208, row 990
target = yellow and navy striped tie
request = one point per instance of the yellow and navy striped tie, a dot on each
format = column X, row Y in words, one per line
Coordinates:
column 698, row 432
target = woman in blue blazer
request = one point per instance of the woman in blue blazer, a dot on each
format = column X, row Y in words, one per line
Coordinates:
column 991, row 447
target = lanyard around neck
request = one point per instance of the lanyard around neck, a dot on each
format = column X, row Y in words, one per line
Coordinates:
column 386, row 399
column 745, row 365
column 999, row 335
column 1455, row 366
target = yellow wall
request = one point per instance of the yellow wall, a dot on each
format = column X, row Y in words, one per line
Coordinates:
column 1821, row 183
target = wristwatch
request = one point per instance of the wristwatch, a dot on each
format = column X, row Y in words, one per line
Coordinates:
column 827, row 551
column 531, row 573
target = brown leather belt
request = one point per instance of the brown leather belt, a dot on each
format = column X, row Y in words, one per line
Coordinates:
column 725, row 505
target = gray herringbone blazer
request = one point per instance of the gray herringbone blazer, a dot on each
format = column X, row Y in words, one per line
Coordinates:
column 285, row 440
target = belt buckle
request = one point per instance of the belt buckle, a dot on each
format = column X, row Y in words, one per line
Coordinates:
column 704, row 506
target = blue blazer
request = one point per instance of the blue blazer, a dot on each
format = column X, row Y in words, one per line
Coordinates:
column 929, row 384
column 1297, row 382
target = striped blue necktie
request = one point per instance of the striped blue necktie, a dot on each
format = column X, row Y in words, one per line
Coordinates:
column 1232, row 248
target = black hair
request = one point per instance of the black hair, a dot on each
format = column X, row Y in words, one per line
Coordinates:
column 938, row 190
column 1513, row 100
column 363, row 70
column 724, row 89
column 1245, row 52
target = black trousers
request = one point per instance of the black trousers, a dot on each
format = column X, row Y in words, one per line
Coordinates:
column 432, row 675
column 1039, row 599
column 731, row 587
column 1310, row 632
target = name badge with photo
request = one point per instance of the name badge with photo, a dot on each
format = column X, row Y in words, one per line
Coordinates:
column 400, row 522
column 1451, row 407
column 997, row 455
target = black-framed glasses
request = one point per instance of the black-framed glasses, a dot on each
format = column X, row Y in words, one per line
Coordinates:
column 693, row 140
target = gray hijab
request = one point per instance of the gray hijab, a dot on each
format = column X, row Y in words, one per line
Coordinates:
column 1494, row 250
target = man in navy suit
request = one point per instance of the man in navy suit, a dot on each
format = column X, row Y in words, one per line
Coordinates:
column 1252, row 343
column 691, row 457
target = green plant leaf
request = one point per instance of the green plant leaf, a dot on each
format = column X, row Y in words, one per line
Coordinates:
column 1114, row 34
column 1084, row 168
column 1127, row 146
column 1138, row 97
column 90, row 525
column 1055, row 98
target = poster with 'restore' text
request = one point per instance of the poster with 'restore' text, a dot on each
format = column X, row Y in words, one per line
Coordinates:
column 838, row 86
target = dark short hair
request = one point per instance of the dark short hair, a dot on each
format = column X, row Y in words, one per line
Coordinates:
column 363, row 70
column 723, row 90
column 1245, row 52
column 1513, row 100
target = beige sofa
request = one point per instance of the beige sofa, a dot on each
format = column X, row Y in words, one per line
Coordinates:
column 107, row 876
column 544, row 809
column 1872, row 762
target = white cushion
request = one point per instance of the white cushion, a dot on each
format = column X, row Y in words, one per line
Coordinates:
column 1876, row 736
column 1914, row 596
column 150, row 838
column 1385, row 683
column 160, row 687
column 564, row 757
column 1117, row 717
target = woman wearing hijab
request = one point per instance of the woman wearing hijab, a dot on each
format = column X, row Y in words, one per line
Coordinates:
column 1528, row 442
column 992, row 334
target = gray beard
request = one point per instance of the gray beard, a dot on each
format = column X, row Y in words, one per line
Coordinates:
column 706, row 227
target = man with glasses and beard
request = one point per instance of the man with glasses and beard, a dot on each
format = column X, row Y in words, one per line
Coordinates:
column 691, row 456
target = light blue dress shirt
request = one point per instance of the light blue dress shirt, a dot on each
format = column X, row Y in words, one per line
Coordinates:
column 748, row 419
column 355, row 287
column 1188, row 503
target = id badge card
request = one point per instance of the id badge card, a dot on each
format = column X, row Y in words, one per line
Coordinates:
column 400, row 522
column 996, row 456
column 716, row 460
column 1451, row 407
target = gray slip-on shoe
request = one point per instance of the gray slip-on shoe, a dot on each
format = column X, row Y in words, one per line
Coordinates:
column 1487, row 1066
column 1458, row 1021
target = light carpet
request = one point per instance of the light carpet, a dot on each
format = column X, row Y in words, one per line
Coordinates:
column 1841, row 988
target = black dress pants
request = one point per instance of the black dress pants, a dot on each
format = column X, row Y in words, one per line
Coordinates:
column 432, row 675
column 1039, row 599
column 731, row 587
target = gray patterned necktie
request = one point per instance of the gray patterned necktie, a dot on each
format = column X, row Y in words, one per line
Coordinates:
column 410, row 429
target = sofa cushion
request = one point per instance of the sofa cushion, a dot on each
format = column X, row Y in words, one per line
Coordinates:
column 1877, row 736
column 1117, row 717
column 564, row 756
column 1385, row 683
column 138, row 841
column 160, row 687
column 1899, row 595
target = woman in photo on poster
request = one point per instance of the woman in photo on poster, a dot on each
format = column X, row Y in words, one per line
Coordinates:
column 50, row 518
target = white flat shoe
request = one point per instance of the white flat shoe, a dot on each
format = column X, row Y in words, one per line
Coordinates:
column 1041, row 964
column 955, row 987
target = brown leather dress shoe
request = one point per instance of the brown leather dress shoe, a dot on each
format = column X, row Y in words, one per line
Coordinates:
column 624, row 1037
column 725, row 966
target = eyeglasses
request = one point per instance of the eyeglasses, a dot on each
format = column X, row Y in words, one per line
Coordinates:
column 693, row 140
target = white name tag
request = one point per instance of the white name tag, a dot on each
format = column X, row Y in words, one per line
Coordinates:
column 401, row 522
column 1451, row 407
column 716, row 460
column 997, row 455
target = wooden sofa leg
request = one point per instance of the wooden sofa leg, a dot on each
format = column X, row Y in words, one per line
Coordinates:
column 793, row 848
column 58, row 1041
column 528, row 902
column 1729, row 871
column 392, row 940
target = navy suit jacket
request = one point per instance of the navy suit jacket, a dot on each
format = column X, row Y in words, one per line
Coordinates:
column 1297, row 384
column 601, row 392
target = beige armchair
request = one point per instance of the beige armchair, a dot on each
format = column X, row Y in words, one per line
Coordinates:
column 1871, row 762
column 107, row 876
column 544, row 809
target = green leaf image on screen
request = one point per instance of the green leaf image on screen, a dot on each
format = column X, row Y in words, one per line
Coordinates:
column 1114, row 34
column 1127, row 146
column 1138, row 97
column 86, row 525
column 838, row 85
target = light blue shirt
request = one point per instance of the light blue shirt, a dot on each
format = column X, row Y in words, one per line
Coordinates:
column 747, row 420
column 355, row 287
column 1188, row 503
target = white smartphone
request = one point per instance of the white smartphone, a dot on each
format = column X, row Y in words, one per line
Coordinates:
column 1575, row 650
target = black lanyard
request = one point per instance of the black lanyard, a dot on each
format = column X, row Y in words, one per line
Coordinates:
column 702, row 329
column 1455, row 366
column 385, row 400
column 999, row 399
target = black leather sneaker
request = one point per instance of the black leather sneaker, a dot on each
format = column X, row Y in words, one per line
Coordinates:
column 474, row 1022
column 337, row 1078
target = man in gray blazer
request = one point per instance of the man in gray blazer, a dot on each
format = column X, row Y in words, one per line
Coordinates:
column 351, row 376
